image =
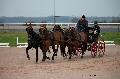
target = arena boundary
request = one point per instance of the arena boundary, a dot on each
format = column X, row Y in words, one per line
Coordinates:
column 4, row 45
column 20, row 45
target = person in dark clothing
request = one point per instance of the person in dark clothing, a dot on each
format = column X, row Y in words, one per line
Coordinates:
column 96, row 29
column 82, row 24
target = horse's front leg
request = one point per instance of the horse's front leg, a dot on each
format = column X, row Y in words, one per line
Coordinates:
column 84, row 48
column 44, row 50
column 70, row 52
column 36, row 54
column 27, row 52
column 53, row 47
column 44, row 56
column 62, row 48
column 55, row 50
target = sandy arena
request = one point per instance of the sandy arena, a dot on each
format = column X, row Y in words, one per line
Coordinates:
column 14, row 65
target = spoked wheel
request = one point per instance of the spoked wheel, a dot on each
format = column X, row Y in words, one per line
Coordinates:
column 94, row 49
column 78, row 51
column 101, row 48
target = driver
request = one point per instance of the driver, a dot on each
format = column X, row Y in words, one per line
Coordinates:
column 96, row 30
column 82, row 24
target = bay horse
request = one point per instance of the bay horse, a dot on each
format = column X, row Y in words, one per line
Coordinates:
column 73, row 41
column 58, row 39
column 84, row 40
column 33, row 41
column 45, row 43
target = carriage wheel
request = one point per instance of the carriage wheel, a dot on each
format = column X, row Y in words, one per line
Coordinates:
column 78, row 51
column 94, row 49
column 101, row 48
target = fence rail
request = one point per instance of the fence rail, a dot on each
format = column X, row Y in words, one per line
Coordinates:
column 58, row 23
column 105, row 27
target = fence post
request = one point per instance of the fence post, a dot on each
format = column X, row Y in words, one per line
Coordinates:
column 17, row 40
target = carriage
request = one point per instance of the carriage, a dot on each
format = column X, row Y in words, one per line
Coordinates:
column 95, row 44
column 88, row 41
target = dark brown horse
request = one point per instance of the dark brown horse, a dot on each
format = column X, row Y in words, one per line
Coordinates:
column 73, row 41
column 58, row 40
column 45, row 41
column 33, row 41
column 84, row 39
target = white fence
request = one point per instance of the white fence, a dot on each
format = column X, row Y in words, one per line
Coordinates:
column 21, row 44
column 68, row 24
column 26, row 44
column 4, row 45
column 15, row 27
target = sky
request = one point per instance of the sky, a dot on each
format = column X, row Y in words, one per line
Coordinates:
column 37, row 8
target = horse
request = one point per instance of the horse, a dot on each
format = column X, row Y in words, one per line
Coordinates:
column 58, row 39
column 33, row 41
column 45, row 43
column 73, row 41
column 84, row 41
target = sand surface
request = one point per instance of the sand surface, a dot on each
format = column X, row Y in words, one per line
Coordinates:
column 14, row 65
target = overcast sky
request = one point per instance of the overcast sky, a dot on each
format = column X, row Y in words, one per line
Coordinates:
column 36, row 8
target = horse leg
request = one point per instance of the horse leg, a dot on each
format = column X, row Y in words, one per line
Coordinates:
column 70, row 52
column 44, row 56
column 36, row 55
column 64, row 54
column 84, row 48
column 62, row 48
column 54, row 54
column 74, row 52
column 53, row 57
column 42, row 48
column 82, row 53
column 54, row 50
column 27, row 52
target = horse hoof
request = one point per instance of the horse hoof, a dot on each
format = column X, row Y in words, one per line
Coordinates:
column 69, row 57
column 81, row 57
column 52, row 58
column 48, row 58
column 29, row 58
column 43, row 59
column 55, row 54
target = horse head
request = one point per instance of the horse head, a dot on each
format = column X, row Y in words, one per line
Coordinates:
column 29, row 28
column 57, row 28
column 43, row 28
column 71, row 29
